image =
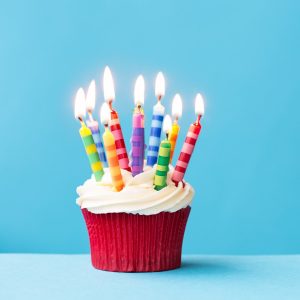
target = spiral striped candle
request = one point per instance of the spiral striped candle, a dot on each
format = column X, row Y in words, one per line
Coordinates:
column 137, row 143
column 113, row 162
column 94, row 127
column 155, row 133
column 91, row 151
column 116, row 130
column 186, row 152
column 173, row 138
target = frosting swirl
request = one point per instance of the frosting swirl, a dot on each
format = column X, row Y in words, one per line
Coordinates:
column 137, row 197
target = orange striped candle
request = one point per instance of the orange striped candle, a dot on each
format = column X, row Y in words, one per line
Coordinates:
column 111, row 152
column 176, row 113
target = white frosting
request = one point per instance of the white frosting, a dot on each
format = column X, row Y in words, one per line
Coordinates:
column 137, row 197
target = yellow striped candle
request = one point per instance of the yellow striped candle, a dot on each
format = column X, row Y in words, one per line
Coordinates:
column 176, row 113
column 87, row 137
column 162, row 167
column 111, row 151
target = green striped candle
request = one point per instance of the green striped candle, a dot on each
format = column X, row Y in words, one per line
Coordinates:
column 162, row 167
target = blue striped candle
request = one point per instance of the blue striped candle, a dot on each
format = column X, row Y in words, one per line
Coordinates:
column 94, row 127
column 155, row 133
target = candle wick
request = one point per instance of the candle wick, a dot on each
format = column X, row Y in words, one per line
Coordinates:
column 110, row 104
column 167, row 135
column 81, row 121
column 159, row 98
column 198, row 119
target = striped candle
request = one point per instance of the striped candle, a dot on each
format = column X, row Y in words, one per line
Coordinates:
column 176, row 113
column 116, row 130
column 189, row 143
column 162, row 167
column 137, row 138
column 91, row 151
column 155, row 133
column 157, row 120
column 173, row 138
column 94, row 127
column 87, row 137
column 137, row 143
column 115, row 127
column 111, row 151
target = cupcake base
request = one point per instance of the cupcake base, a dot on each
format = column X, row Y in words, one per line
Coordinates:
column 122, row 242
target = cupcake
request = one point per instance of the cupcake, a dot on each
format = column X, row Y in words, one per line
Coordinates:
column 137, row 229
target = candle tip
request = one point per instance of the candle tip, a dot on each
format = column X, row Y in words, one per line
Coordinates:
column 199, row 105
column 177, row 107
column 105, row 114
column 108, row 85
column 167, row 124
column 80, row 108
column 91, row 96
column 160, row 85
column 139, row 91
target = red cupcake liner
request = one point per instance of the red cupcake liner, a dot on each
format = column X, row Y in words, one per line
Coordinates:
column 122, row 242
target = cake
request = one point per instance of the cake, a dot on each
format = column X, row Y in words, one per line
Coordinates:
column 137, row 229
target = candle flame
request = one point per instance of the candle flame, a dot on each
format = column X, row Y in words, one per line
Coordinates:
column 105, row 114
column 160, row 85
column 199, row 105
column 80, row 109
column 108, row 85
column 139, row 91
column 91, row 96
column 177, row 107
column 167, row 124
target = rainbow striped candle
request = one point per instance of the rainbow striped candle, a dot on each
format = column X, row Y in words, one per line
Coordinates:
column 176, row 113
column 157, row 120
column 87, row 137
column 137, row 138
column 92, row 124
column 115, row 126
column 110, row 147
column 189, row 143
column 162, row 167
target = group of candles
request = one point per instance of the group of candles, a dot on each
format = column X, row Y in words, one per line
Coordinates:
column 112, row 152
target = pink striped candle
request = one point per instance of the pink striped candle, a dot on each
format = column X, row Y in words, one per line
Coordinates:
column 115, row 126
column 189, row 143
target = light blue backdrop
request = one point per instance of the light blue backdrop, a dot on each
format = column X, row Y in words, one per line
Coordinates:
column 244, row 57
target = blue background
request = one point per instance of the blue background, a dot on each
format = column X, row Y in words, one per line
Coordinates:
column 243, row 56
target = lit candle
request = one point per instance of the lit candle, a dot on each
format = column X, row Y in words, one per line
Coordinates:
column 87, row 137
column 115, row 127
column 162, row 167
column 189, row 143
column 176, row 113
column 111, row 151
column 157, row 120
column 137, row 138
column 92, row 124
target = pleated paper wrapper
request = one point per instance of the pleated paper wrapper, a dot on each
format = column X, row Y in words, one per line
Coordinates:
column 123, row 242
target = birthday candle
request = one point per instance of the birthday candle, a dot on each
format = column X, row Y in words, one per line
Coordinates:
column 157, row 120
column 189, row 143
column 87, row 137
column 162, row 167
column 137, row 138
column 110, row 147
column 176, row 113
column 115, row 127
column 92, row 124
